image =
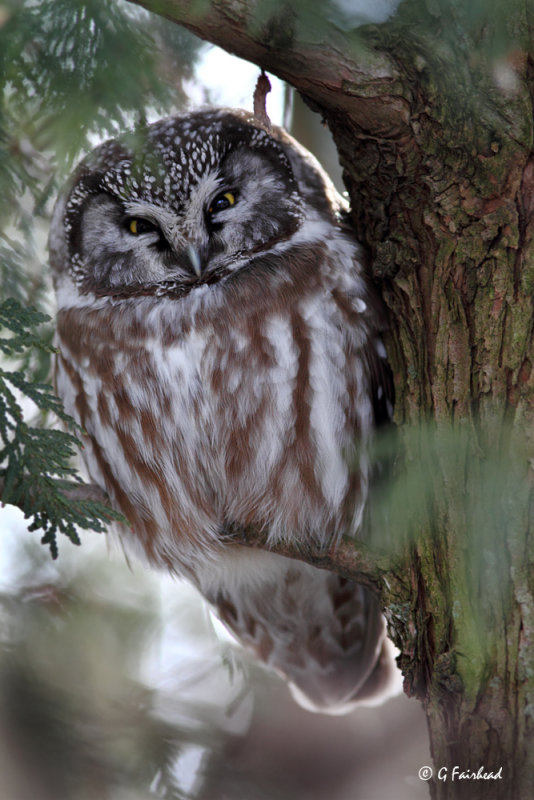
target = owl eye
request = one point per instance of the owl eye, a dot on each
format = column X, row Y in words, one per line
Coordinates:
column 221, row 202
column 137, row 226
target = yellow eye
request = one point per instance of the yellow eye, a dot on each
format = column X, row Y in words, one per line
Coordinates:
column 221, row 202
column 138, row 226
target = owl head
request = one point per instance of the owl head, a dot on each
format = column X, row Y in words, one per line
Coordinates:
column 184, row 202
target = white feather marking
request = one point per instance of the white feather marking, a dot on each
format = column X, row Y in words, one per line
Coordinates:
column 282, row 376
column 328, row 383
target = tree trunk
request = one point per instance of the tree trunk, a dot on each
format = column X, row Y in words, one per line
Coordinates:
column 432, row 113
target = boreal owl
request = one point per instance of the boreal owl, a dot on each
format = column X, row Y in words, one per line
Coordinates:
column 219, row 343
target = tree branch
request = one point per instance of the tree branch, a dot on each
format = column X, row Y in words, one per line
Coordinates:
column 349, row 558
column 332, row 72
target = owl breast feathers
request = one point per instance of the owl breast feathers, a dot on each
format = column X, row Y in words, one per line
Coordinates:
column 220, row 346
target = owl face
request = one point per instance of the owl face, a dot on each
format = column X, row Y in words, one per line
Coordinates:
column 183, row 203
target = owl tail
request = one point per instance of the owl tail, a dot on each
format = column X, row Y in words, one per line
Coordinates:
column 326, row 635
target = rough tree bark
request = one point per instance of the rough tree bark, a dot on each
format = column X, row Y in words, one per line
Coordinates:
column 432, row 116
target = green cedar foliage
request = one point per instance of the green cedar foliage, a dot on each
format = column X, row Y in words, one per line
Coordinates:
column 35, row 469
column 72, row 72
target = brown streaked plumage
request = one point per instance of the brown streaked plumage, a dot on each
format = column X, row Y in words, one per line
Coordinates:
column 220, row 345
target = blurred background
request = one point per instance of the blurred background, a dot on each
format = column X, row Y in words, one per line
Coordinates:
column 115, row 681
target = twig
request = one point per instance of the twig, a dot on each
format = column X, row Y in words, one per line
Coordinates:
column 88, row 491
column 263, row 87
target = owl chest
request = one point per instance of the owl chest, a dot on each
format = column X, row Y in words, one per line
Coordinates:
column 249, row 424
column 263, row 419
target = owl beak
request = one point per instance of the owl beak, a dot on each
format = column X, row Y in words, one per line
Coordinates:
column 194, row 259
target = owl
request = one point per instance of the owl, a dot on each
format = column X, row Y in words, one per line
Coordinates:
column 220, row 345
